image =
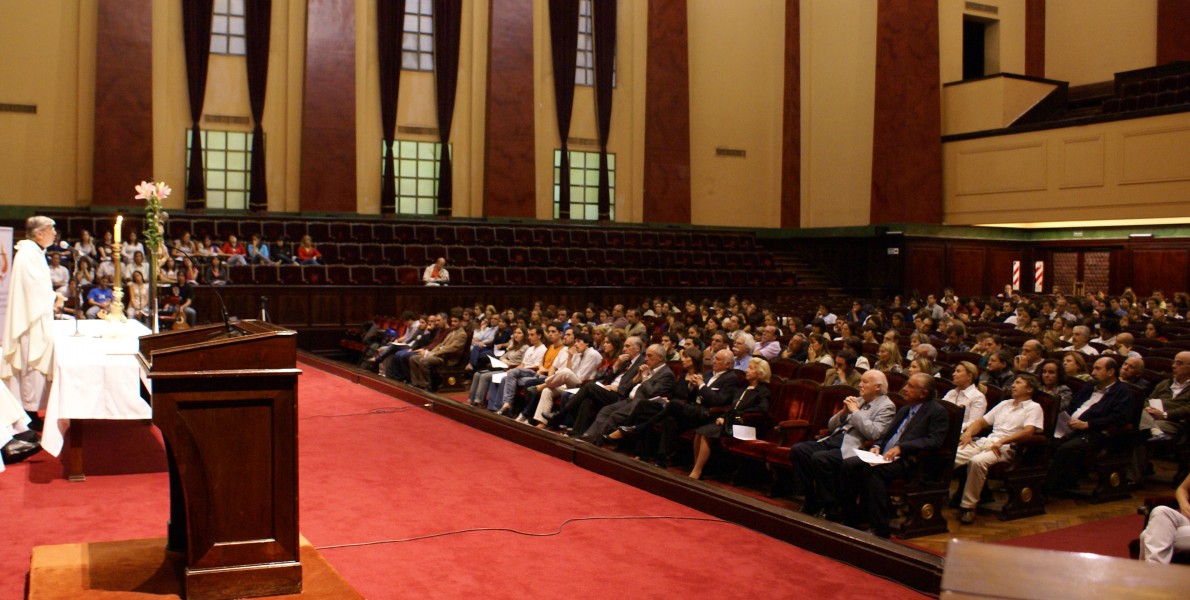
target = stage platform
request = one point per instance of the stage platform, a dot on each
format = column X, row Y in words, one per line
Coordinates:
column 142, row 569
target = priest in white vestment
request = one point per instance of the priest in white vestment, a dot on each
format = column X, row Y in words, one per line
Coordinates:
column 28, row 342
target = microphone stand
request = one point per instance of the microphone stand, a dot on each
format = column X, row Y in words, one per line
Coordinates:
column 214, row 288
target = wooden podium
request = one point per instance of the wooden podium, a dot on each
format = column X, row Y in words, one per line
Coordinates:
column 225, row 399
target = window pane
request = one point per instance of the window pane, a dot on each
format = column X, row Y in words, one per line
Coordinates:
column 237, row 141
column 236, row 180
column 216, row 180
column 426, row 169
column 426, row 43
column 410, row 22
column 425, row 187
column 408, row 149
column 408, row 187
column 237, row 200
column 236, row 26
column 426, row 25
column 219, row 24
column 215, row 199
column 218, row 44
column 237, row 46
column 407, row 206
column 221, row 6
column 427, row 7
column 237, row 7
column 427, row 151
column 216, row 160
column 237, row 161
column 215, row 139
column 408, row 168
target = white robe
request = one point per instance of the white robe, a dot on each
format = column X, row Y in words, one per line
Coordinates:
column 30, row 315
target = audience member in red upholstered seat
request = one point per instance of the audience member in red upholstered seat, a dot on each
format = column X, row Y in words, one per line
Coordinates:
column 436, row 274
column 307, row 254
column 233, row 252
column 258, row 252
column 424, row 362
column 514, row 353
column 582, row 360
column 751, row 399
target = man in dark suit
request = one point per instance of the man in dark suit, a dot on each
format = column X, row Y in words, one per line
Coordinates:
column 1093, row 411
column 919, row 426
column 594, row 395
column 653, row 379
column 396, row 366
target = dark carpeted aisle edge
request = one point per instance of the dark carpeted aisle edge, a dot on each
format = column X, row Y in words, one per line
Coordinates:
column 903, row 564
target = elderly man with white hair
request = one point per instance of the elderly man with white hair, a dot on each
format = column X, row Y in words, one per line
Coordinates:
column 742, row 348
column 1079, row 341
column 28, row 342
column 817, row 463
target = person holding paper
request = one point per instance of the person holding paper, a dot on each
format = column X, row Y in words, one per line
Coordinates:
column 653, row 379
column 1168, row 409
column 918, row 426
column 513, row 355
column 582, row 360
column 1010, row 421
column 1093, row 410
column 752, row 399
column 817, row 463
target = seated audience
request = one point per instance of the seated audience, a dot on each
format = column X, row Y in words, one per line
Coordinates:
column 233, row 252
column 436, row 274
column 1168, row 530
column 424, row 362
column 1010, row 421
column 753, row 398
column 844, row 371
column 1075, row 366
column 1053, row 382
column 307, row 253
column 817, row 463
column 998, row 372
column 888, row 358
column 966, row 392
column 1094, row 410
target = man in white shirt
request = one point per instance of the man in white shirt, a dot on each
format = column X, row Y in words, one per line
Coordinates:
column 1080, row 339
column 436, row 274
column 59, row 275
column 576, row 364
column 1010, row 421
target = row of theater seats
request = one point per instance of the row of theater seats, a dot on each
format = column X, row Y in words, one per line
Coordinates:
column 495, row 276
column 393, row 253
column 1156, row 92
column 460, row 234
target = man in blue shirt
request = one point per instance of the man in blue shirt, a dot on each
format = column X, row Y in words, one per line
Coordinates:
column 99, row 299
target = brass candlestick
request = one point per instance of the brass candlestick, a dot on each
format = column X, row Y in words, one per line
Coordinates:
column 115, row 310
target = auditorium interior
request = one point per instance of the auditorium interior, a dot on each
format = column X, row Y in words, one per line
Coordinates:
column 745, row 158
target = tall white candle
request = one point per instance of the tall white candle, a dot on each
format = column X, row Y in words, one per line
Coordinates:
column 116, row 236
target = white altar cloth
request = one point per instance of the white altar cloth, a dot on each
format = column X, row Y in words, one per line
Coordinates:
column 96, row 376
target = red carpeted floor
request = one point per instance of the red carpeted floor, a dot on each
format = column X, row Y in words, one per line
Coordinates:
column 1109, row 537
column 375, row 469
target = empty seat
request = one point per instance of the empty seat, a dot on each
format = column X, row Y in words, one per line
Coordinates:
column 371, row 254
column 478, row 255
column 272, row 230
column 294, row 230
column 314, row 274
column 404, row 234
column 408, row 276
column 393, row 254
column 339, row 231
column 384, row 275
column 349, row 254
column 290, row 274
column 264, row 275
column 444, row 234
column 338, row 275
column 361, row 275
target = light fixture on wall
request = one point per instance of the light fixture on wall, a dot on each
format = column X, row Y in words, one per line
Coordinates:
column 1140, row 235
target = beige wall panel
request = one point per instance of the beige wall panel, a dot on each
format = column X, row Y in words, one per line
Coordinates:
column 736, row 85
column 1010, row 33
column 171, row 105
column 41, row 154
column 992, row 103
column 1144, row 174
column 1087, row 41
column 1001, row 168
column 227, row 91
column 1082, row 162
column 1156, row 155
column 838, row 40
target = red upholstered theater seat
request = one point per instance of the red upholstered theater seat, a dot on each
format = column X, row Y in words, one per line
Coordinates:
column 505, row 236
column 465, row 235
column 515, row 275
column 614, row 238
column 226, row 227
column 371, row 253
column 240, row 274
column 330, row 252
column 538, row 256
column 393, row 254
column 632, row 239
column 557, row 255
column 498, row 256
column 338, row 275
column 595, row 257
column 457, row 255
column 200, row 229
column 444, row 234
column 518, row 256
column 535, row 276
column 404, row 233
column 294, row 230
column 435, row 252
column 361, row 275
column 494, row 276
column 478, row 255
column 384, row 275
column 363, row 232
column 576, row 257
column 383, row 232
column 416, row 255
column 290, row 274
column 408, row 275
column 580, row 238
column 596, row 238
column 560, row 237
column 314, row 275
column 264, row 275
column 485, row 236
column 424, row 234
column 339, row 231
column 595, row 277
column 272, row 229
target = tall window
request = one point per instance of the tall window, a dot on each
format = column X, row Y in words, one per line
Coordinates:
column 584, row 68
column 584, row 184
column 417, row 177
column 227, row 28
column 417, row 45
column 227, row 163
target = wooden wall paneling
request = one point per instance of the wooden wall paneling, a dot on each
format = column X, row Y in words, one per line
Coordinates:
column 509, row 174
column 906, row 155
column 667, row 115
column 998, row 269
column 791, row 155
column 1173, row 31
column 1159, row 269
column 330, row 307
column 966, row 270
column 123, row 107
column 1035, row 38
column 328, row 115
column 925, row 263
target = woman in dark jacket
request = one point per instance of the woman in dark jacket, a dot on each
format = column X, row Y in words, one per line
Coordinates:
column 754, row 398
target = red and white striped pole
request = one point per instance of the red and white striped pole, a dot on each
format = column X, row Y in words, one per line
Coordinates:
column 1039, row 277
column 1016, row 275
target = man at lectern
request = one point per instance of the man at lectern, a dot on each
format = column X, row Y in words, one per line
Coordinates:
column 28, row 343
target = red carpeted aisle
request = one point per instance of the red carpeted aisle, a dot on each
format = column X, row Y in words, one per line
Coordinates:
column 373, row 468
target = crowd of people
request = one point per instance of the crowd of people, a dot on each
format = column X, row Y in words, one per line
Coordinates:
column 639, row 377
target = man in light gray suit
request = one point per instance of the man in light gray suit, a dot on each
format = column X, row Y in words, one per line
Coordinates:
column 817, row 463
column 653, row 379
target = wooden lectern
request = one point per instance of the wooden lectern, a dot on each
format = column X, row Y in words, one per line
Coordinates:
column 225, row 399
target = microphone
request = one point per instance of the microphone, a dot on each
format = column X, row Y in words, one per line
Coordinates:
column 222, row 305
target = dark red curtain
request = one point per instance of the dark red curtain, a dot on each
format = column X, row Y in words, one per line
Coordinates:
column 196, row 33
column 564, row 48
column 257, row 23
column 390, row 28
column 448, row 19
column 604, row 34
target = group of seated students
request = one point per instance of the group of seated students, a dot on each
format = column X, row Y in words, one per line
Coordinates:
column 639, row 378
column 181, row 263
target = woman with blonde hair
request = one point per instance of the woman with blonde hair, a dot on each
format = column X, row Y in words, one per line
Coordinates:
column 888, row 358
column 753, row 398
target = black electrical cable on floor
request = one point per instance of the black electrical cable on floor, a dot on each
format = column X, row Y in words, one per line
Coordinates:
column 526, row 533
column 384, row 410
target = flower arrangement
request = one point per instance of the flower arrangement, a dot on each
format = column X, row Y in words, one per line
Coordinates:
column 153, row 193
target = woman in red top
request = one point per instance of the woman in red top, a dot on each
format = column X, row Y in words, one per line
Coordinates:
column 307, row 254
